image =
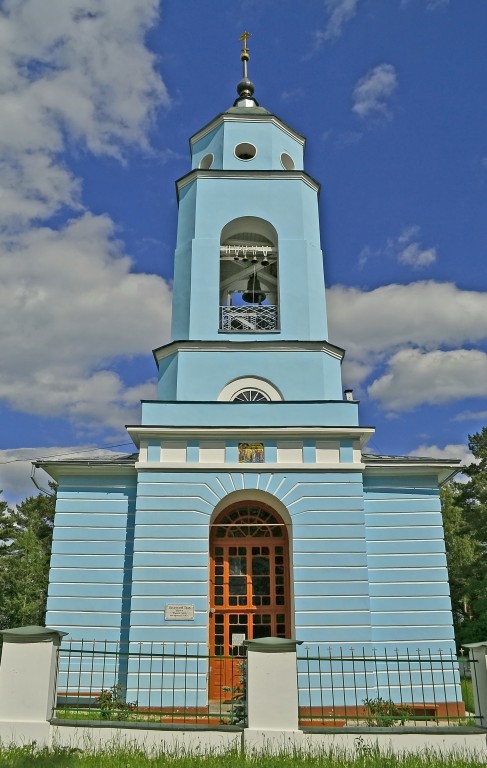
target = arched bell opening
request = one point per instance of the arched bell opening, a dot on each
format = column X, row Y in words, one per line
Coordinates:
column 249, row 288
column 249, row 586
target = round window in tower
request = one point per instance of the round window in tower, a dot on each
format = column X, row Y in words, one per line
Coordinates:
column 206, row 162
column 245, row 151
column 251, row 396
column 287, row 162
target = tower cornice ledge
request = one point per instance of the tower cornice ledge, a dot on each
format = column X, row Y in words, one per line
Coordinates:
column 275, row 345
column 249, row 115
column 156, row 431
column 200, row 173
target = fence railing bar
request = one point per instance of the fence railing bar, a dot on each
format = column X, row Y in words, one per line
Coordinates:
column 410, row 680
column 343, row 678
column 332, row 686
column 472, row 661
column 354, row 684
column 444, row 685
column 422, row 685
column 433, row 680
column 91, row 676
column 399, row 676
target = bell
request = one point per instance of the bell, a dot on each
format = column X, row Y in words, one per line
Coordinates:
column 254, row 293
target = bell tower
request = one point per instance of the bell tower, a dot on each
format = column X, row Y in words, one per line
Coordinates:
column 249, row 292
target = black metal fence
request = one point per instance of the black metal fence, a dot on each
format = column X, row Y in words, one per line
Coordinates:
column 180, row 684
column 338, row 688
column 151, row 682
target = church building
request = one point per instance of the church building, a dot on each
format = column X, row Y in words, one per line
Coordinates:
column 251, row 507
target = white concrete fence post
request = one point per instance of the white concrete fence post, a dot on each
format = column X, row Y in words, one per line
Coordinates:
column 478, row 673
column 272, row 696
column 28, row 672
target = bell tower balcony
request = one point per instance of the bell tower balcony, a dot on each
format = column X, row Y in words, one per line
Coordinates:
column 260, row 318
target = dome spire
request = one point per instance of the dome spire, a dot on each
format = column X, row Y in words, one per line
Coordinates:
column 245, row 88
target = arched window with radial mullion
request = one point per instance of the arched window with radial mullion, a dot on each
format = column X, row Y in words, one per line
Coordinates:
column 249, row 286
column 251, row 396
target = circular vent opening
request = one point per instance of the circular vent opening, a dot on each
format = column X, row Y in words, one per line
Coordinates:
column 206, row 162
column 245, row 151
column 287, row 162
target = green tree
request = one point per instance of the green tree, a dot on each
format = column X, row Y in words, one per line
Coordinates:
column 25, row 548
column 465, row 521
column 473, row 496
column 461, row 552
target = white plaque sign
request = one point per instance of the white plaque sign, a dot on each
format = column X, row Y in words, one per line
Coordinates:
column 179, row 612
column 237, row 638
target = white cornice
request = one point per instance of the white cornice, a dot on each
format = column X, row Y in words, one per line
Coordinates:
column 362, row 434
column 444, row 471
column 264, row 467
column 58, row 469
column 229, row 118
column 199, row 173
column 248, row 346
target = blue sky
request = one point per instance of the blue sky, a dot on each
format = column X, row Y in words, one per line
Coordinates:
column 98, row 100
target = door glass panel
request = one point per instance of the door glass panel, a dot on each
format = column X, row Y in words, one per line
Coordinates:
column 261, row 582
column 237, row 565
column 262, row 626
column 237, row 633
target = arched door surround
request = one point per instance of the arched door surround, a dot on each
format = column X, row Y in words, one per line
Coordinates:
column 249, row 585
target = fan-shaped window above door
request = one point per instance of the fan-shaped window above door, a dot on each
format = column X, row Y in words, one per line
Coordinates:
column 249, row 290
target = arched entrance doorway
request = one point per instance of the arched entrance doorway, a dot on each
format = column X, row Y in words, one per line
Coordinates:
column 249, row 586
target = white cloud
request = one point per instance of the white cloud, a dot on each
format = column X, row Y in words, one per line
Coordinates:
column 451, row 451
column 414, row 377
column 417, row 331
column 433, row 5
column 292, row 95
column 354, row 372
column 426, row 313
column 406, row 249
column 339, row 13
column 72, row 75
column 16, row 467
column 69, row 305
column 372, row 91
column 416, row 257
column 471, row 416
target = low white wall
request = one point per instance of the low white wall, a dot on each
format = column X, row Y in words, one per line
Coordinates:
column 151, row 741
column 200, row 741
column 397, row 741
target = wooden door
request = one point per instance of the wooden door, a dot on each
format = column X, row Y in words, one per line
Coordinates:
column 249, row 589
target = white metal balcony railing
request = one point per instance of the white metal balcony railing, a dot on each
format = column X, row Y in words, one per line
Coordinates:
column 251, row 319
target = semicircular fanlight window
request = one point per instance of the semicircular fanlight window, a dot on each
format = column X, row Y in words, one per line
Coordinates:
column 249, row 521
column 251, row 396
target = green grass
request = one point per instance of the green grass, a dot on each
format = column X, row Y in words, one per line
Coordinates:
column 467, row 694
column 363, row 757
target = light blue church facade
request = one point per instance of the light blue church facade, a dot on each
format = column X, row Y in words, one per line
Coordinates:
column 251, row 507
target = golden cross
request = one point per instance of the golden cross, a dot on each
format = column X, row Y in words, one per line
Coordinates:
column 244, row 56
column 244, row 37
